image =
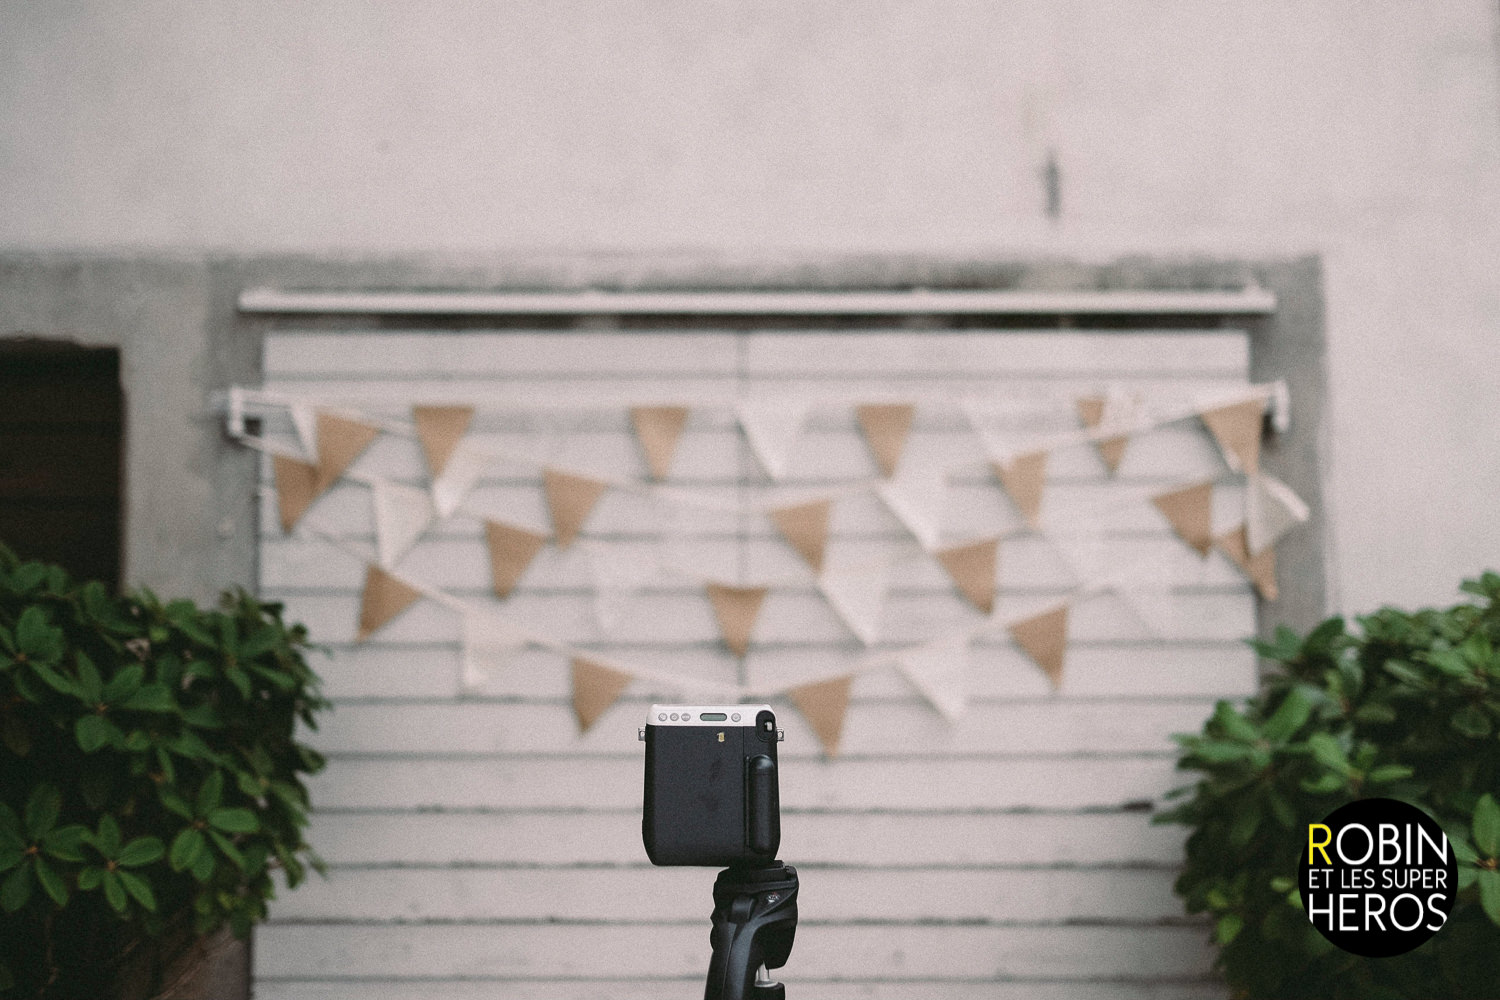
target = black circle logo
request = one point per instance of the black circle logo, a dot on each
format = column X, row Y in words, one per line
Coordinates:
column 1378, row 877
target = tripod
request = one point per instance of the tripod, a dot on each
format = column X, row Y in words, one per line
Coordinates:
column 754, row 921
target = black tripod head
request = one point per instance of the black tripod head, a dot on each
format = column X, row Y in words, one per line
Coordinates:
column 754, row 922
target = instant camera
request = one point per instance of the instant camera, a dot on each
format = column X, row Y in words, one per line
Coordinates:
column 712, row 800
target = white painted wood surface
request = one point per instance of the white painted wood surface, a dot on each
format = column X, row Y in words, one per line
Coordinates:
column 479, row 847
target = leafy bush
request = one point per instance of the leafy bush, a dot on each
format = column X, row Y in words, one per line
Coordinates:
column 149, row 779
column 1409, row 709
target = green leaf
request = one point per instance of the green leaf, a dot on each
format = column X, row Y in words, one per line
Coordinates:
column 187, row 847
column 1375, row 713
column 1326, row 751
column 12, row 853
column 60, row 683
column 204, row 716
column 124, row 684
column 66, row 842
column 42, row 809
column 1471, row 721
column 239, row 679
column 150, row 698
column 1228, row 928
column 1323, row 785
column 141, row 851
column 210, row 793
column 88, row 679
column 139, row 888
column 1246, row 821
column 204, row 865
column 90, row 877
column 1289, row 716
column 1221, row 751
column 1487, row 825
column 36, row 637
column 10, row 823
column 175, row 803
column 94, row 732
column 115, row 892
column 234, row 820
column 107, row 839
column 51, row 883
column 227, row 848
column 1386, row 773
column 1489, row 894
column 15, row 891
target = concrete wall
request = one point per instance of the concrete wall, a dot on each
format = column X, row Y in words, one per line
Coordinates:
column 1363, row 133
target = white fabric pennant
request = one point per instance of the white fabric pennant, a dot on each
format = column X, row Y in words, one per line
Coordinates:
column 465, row 466
column 1271, row 510
column 1082, row 550
column 618, row 574
column 1149, row 593
column 938, row 671
column 305, row 420
column 489, row 642
column 772, row 426
column 916, row 496
column 401, row 515
column 857, row 593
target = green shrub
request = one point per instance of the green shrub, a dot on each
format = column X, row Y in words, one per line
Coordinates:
column 149, row 778
column 1408, row 708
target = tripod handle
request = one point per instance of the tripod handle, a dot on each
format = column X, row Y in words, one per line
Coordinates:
column 754, row 921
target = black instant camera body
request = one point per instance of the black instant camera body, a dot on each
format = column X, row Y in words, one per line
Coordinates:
column 712, row 799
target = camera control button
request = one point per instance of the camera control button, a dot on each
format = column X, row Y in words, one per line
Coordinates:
column 735, row 717
column 661, row 717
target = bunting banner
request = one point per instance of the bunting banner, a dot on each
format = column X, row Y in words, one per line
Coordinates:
column 570, row 500
column 736, row 609
column 1271, row 510
column 511, row 551
column 1111, row 410
column 805, row 527
column 771, row 426
column 462, row 470
column 938, row 670
column 296, row 488
column 489, row 642
column 595, row 688
column 340, row 442
column 823, row 704
column 619, row 573
column 385, row 596
column 1237, row 428
column 439, row 429
column 885, row 426
column 305, row 422
column 1024, row 477
column 857, row 593
column 1259, row 568
column 1044, row 637
column 972, row 567
column 1153, row 599
column 916, row 496
column 1190, row 512
column 658, row 428
column 402, row 514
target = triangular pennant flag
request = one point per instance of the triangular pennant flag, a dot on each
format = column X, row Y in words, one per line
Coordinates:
column 401, row 515
column 1082, row 549
column 857, row 594
column 340, row 442
column 1271, row 510
column 1260, row 568
column 1024, row 477
column 937, row 670
column 489, row 641
column 1151, row 596
column 972, row 567
column 823, row 705
column 916, row 497
column 885, row 426
column 1044, row 637
column 658, row 428
column 385, row 597
column 736, row 608
column 570, row 499
column 618, row 572
column 296, row 488
column 771, row 426
column 1093, row 410
column 1236, row 428
column 440, row 428
column 805, row 527
column 1190, row 512
column 305, row 420
column 595, row 688
column 461, row 470
column 511, row 551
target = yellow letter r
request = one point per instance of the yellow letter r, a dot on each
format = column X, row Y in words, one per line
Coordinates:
column 1316, row 845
